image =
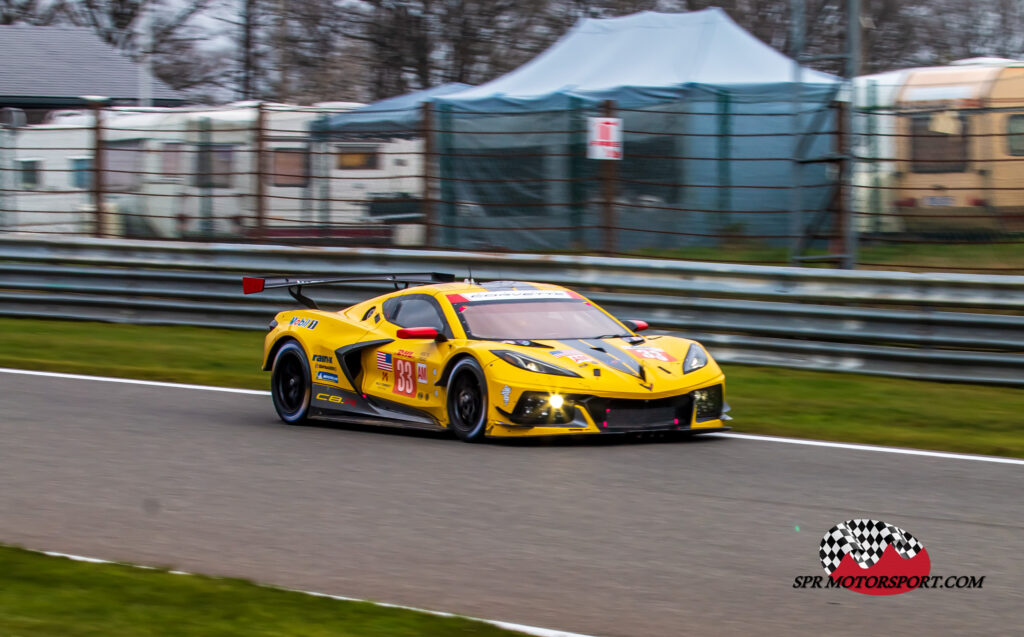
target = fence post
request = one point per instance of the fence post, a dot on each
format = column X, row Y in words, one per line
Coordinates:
column 608, row 176
column 724, row 159
column 427, row 198
column 841, row 233
column 577, row 157
column 207, row 178
column 261, row 211
column 447, row 202
column 97, row 105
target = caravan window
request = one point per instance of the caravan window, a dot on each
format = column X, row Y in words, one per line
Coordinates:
column 1015, row 135
column 290, row 167
column 30, row 174
column 357, row 158
column 938, row 142
column 122, row 165
column 81, row 172
column 214, row 166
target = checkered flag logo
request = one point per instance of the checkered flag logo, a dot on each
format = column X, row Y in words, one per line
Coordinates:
column 866, row 540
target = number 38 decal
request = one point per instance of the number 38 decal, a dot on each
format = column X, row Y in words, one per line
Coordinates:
column 405, row 378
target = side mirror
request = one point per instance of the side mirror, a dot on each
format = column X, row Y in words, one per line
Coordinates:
column 636, row 325
column 420, row 333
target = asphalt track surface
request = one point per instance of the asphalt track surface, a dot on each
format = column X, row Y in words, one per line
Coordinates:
column 663, row 538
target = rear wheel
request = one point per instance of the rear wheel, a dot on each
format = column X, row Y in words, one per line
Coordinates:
column 467, row 400
column 290, row 384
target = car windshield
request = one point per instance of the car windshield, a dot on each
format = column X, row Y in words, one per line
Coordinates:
column 537, row 320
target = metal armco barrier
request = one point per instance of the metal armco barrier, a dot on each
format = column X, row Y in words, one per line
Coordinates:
column 950, row 327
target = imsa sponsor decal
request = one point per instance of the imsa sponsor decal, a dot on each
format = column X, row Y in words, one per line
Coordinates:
column 333, row 378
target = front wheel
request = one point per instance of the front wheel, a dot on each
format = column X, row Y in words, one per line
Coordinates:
column 290, row 384
column 467, row 400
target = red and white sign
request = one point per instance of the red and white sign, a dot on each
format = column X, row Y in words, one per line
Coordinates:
column 405, row 383
column 604, row 138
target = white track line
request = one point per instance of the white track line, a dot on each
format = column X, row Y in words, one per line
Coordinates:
column 878, row 448
column 523, row 628
column 132, row 381
column 791, row 441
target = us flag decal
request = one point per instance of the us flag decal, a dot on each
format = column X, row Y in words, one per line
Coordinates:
column 384, row 362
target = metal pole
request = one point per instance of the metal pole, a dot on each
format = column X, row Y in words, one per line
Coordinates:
column 261, row 187
column 872, row 147
column 447, row 186
column 724, row 160
column 429, row 207
column 320, row 165
column 97, row 166
column 608, row 176
column 206, row 177
column 146, row 48
column 797, row 31
column 849, row 261
column 577, row 157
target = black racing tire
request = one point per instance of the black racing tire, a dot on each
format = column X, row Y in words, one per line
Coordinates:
column 467, row 400
column 291, row 383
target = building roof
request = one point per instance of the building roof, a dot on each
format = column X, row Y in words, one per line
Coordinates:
column 54, row 64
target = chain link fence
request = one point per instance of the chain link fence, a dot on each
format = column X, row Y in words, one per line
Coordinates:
column 935, row 176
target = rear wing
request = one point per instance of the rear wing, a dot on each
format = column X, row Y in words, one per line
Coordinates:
column 253, row 285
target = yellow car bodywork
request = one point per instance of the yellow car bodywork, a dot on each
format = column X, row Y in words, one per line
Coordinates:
column 361, row 368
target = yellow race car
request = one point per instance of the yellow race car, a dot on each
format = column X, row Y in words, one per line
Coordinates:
column 503, row 358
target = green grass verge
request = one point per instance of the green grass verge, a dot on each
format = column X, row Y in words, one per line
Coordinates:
column 42, row 595
column 827, row 406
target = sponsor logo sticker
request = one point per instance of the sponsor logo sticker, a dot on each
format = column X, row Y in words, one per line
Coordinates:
column 421, row 373
column 506, row 393
column 338, row 400
column 327, row 376
column 513, row 295
column 308, row 323
column 320, row 358
column 571, row 354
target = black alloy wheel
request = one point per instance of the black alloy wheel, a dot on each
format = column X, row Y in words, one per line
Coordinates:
column 467, row 400
column 290, row 383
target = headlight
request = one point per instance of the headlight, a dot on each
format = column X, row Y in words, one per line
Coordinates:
column 708, row 403
column 522, row 361
column 696, row 358
column 539, row 408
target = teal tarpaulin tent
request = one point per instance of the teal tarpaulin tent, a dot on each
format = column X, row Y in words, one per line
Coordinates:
column 709, row 112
